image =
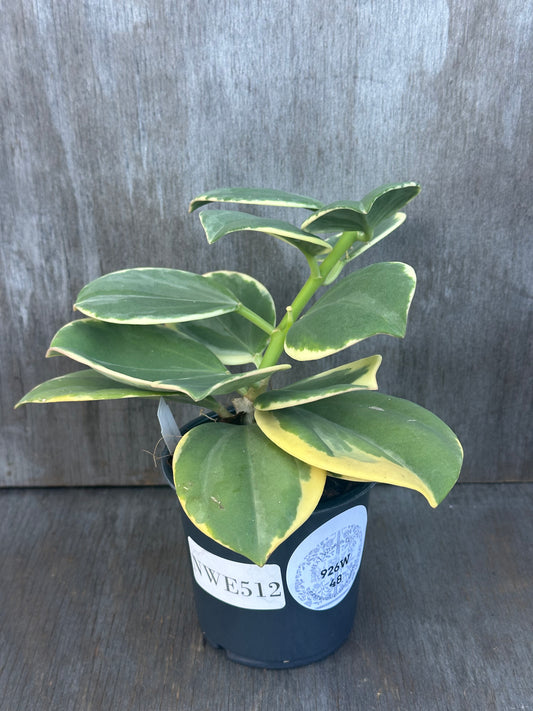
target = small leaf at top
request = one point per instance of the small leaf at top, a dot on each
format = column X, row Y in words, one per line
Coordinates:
column 384, row 229
column 363, row 215
column 255, row 196
column 218, row 223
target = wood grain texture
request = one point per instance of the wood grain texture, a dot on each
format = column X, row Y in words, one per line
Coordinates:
column 97, row 609
column 115, row 115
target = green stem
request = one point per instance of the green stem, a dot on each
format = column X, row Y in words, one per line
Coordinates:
column 311, row 286
column 314, row 266
column 277, row 340
column 247, row 313
column 344, row 243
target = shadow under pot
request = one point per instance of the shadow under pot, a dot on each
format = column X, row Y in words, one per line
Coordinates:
column 300, row 606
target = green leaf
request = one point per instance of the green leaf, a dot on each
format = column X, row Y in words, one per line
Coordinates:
column 384, row 229
column 153, row 296
column 241, row 490
column 88, row 385
column 369, row 436
column 363, row 215
column 360, row 375
column 218, row 223
column 255, row 196
column 232, row 338
column 246, row 380
column 150, row 357
column 373, row 300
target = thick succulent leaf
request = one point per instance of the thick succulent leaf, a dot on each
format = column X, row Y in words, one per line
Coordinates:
column 88, row 385
column 384, row 229
column 369, row 436
column 373, row 300
column 255, row 196
column 152, row 357
column 388, row 199
column 359, row 375
column 153, row 296
column 218, row 223
column 241, row 490
column 246, row 380
column 362, row 215
column 234, row 339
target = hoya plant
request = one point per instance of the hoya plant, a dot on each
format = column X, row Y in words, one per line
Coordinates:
column 216, row 340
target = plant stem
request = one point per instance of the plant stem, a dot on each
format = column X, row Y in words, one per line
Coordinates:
column 277, row 340
column 222, row 411
column 344, row 243
column 311, row 286
column 314, row 282
column 314, row 266
column 247, row 313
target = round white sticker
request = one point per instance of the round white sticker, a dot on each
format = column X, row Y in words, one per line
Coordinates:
column 322, row 569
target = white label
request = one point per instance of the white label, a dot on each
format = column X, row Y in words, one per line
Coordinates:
column 322, row 569
column 239, row 584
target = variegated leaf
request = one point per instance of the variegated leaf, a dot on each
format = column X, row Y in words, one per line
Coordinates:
column 89, row 385
column 369, row 436
column 153, row 296
column 232, row 338
column 241, row 490
column 373, row 300
column 362, row 215
column 384, row 229
column 218, row 223
column 255, row 196
column 151, row 357
column 359, row 375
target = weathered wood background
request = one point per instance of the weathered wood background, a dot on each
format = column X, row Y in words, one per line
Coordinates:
column 114, row 115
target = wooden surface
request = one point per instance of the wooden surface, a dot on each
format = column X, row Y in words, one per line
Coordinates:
column 114, row 115
column 96, row 609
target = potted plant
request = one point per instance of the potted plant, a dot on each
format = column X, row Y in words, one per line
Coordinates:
column 269, row 552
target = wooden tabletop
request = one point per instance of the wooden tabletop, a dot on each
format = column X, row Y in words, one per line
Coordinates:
column 96, row 609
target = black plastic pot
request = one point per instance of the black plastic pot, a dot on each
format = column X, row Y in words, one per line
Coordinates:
column 300, row 606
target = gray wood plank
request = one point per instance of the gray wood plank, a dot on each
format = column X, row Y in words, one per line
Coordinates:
column 115, row 115
column 97, row 610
